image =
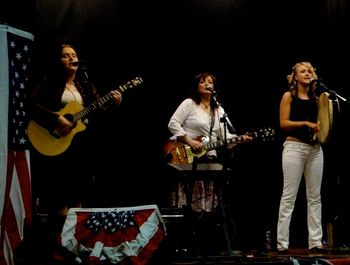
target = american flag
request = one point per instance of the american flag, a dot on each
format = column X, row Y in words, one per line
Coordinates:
column 15, row 182
column 126, row 235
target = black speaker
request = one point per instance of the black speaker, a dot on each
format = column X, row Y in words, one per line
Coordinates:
column 178, row 232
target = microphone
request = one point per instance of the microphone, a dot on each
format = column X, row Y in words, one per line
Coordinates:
column 81, row 63
column 76, row 63
column 211, row 89
column 313, row 81
column 319, row 86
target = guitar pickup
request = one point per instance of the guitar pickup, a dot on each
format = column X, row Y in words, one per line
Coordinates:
column 179, row 155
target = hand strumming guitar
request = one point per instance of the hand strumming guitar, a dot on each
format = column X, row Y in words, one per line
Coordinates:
column 63, row 127
column 193, row 143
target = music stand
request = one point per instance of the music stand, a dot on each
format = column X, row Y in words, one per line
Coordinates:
column 189, row 173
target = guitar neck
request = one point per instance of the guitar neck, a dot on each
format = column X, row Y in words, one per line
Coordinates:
column 106, row 99
column 217, row 144
column 236, row 139
column 98, row 104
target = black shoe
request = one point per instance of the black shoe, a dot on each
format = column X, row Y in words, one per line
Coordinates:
column 283, row 251
column 262, row 253
column 319, row 250
column 340, row 250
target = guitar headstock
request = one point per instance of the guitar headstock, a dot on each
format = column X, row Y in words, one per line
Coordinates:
column 264, row 134
column 132, row 83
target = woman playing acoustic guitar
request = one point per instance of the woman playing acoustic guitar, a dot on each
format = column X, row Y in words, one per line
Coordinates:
column 62, row 180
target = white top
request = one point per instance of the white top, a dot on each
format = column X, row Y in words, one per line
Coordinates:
column 69, row 96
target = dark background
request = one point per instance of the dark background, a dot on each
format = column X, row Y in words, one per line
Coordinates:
column 250, row 45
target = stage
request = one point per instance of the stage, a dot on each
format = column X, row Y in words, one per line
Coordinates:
column 296, row 256
column 180, row 245
column 163, row 256
column 169, row 253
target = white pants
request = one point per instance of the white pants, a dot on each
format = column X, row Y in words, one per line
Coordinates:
column 300, row 159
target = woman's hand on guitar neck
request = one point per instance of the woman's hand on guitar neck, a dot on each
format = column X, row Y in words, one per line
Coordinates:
column 247, row 137
column 117, row 96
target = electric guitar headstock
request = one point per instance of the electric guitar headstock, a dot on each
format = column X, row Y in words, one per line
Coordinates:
column 264, row 134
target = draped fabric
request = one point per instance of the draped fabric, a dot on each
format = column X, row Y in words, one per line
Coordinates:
column 117, row 235
column 15, row 182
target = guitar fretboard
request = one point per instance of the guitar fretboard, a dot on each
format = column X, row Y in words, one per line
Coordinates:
column 106, row 99
column 98, row 104
column 217, row 144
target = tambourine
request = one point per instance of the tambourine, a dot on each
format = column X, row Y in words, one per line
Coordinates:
column 327, row 109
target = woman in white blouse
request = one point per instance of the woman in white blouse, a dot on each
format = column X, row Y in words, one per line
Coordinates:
column 196, row 123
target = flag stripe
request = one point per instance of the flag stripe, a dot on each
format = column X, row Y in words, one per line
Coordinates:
column 25, row 183
column 12, row 231
column 4, row 242
column 147, row 252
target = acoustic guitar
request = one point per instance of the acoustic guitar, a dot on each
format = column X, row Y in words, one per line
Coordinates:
column 178, row 152
column 49, row 144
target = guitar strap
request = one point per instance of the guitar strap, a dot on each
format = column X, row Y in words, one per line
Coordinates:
column 212, row 122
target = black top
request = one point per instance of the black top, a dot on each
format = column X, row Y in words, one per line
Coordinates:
column 303, row 110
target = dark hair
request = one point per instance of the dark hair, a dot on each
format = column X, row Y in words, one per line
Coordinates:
column 194, row 92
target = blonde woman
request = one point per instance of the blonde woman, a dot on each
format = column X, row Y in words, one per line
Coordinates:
column 302, row 155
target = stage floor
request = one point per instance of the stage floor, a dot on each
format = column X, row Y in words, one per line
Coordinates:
column 297, row 256
column 162, row 256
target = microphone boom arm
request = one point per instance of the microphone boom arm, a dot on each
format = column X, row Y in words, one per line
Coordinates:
column 323, row 86
column 224, row 118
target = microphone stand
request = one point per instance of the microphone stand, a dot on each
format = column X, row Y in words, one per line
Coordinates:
column 86, row 77
column 224, row 119
column 83, row 69
column 323, row 86
column 221, row 205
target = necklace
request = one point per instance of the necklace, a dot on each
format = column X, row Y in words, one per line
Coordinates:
column 206, row 105
column 73, row 94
